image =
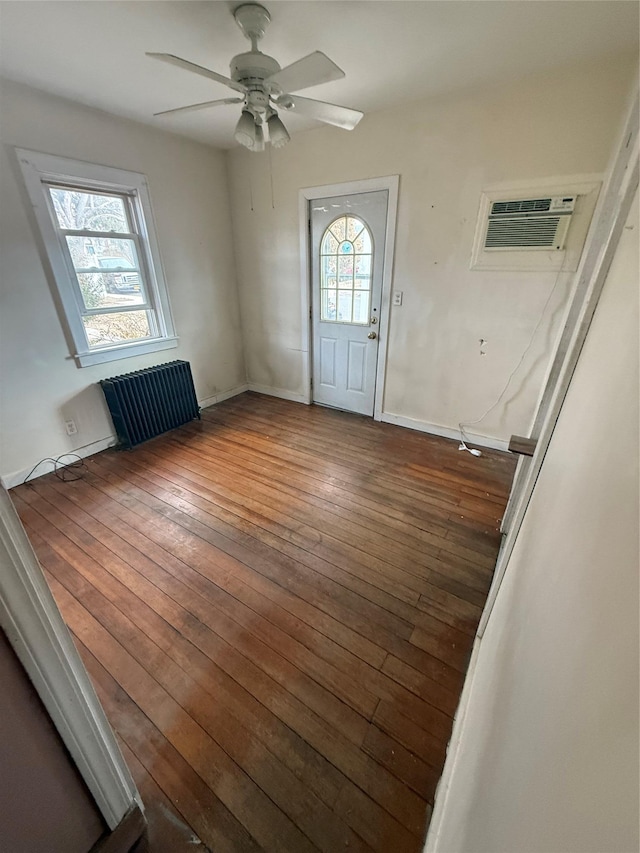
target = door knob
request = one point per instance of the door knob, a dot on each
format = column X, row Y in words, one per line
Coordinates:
column 372, row 336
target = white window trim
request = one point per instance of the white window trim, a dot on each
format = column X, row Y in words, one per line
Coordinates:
column 38, row 168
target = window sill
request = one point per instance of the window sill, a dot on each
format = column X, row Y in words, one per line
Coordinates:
column 100, row 356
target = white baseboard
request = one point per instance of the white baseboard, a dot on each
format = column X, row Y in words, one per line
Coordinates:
column 278, row 392
column 445, row 432
column 222, row 395
column 17, row 477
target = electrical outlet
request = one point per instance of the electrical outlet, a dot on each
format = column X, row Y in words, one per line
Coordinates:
column 397, row 297
column 70, row 427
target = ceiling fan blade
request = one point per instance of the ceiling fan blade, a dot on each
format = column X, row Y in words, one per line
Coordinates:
column 309, row 71
column 197, row 69
column 203, row 106
column 343, row 117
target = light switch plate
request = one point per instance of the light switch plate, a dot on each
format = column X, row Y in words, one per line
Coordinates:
column 397, row 297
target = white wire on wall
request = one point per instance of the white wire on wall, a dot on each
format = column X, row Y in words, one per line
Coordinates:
column 464, row 439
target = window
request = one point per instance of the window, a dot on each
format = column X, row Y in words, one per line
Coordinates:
column 345, row 272
column 96, row 226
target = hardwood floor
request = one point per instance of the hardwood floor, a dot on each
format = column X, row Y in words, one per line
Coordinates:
column 277, row 605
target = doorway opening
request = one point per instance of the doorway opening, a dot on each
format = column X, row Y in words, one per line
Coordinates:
column 347, row 239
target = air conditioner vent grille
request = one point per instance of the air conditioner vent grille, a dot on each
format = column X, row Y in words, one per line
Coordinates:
column 528, row 205
column 539, row 233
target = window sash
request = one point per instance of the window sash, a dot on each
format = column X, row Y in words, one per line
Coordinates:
column 106, row 270
column 117, row 309
column 147, row 304
column 44, row 171
column 151, row 319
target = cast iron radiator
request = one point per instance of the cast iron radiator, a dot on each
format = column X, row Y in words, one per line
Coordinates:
column 149, row 402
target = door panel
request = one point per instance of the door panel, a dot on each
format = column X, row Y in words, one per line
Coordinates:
column 328, row 362
column 357, row 367
column 347, row 262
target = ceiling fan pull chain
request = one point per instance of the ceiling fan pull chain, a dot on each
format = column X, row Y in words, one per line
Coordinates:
column 273, row 206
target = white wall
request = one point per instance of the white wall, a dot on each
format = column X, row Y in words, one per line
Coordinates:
column 446, row 151
column 548, row 758
column 189, row 195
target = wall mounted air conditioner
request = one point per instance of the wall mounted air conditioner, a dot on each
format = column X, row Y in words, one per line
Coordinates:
column 524, row 227
column 528, row 224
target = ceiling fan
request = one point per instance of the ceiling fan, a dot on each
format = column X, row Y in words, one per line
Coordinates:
column 262, row 86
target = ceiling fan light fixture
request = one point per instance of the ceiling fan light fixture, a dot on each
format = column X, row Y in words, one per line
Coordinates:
column 278, row 133
column 245, row 132
column 258, row 145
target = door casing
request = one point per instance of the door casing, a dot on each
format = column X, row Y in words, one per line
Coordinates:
column 390, row 183
column 34, row 626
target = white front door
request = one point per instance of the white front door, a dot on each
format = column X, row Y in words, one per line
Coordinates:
column 347, row 262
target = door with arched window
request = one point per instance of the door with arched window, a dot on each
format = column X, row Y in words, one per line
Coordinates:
column 347, row 245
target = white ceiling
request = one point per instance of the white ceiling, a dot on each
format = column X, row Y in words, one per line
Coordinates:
column 397, row 51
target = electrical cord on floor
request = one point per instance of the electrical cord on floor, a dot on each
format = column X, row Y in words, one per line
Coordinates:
column 65, row 471
column 462, row 424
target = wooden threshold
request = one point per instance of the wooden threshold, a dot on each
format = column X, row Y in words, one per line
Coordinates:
column 277, row 606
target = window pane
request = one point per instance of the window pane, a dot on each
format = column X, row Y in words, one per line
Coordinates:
column 354, row 227
column 345, row 266
column 346, row 261
column 85, row 211
column 328, row 268
column 105, row 329
column 328, row 305
column 345, row 298
column 361, row 306
column 107, row 254
column 102, row 253
column 329, row 244
column 98, row 292
column 363, row 243
column 363, row 265
column 339, row 228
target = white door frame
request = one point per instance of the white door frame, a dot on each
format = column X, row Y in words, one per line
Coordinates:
column 35, row 629
column 611, row 213
column 390, row 183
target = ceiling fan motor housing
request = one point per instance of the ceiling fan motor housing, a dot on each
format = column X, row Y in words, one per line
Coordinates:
column 252, row 68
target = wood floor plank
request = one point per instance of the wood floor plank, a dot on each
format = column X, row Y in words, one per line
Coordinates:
column 277, row 605
column 304, row 762
column 267, row 824
column 373, row 531
column 144, row 504
column 155, row 762
column 330, row 592
column 238, row 743
column 312, row 693
column 382, row 788
column 347, row 554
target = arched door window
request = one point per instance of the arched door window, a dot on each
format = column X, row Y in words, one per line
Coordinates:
column 346, row 252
